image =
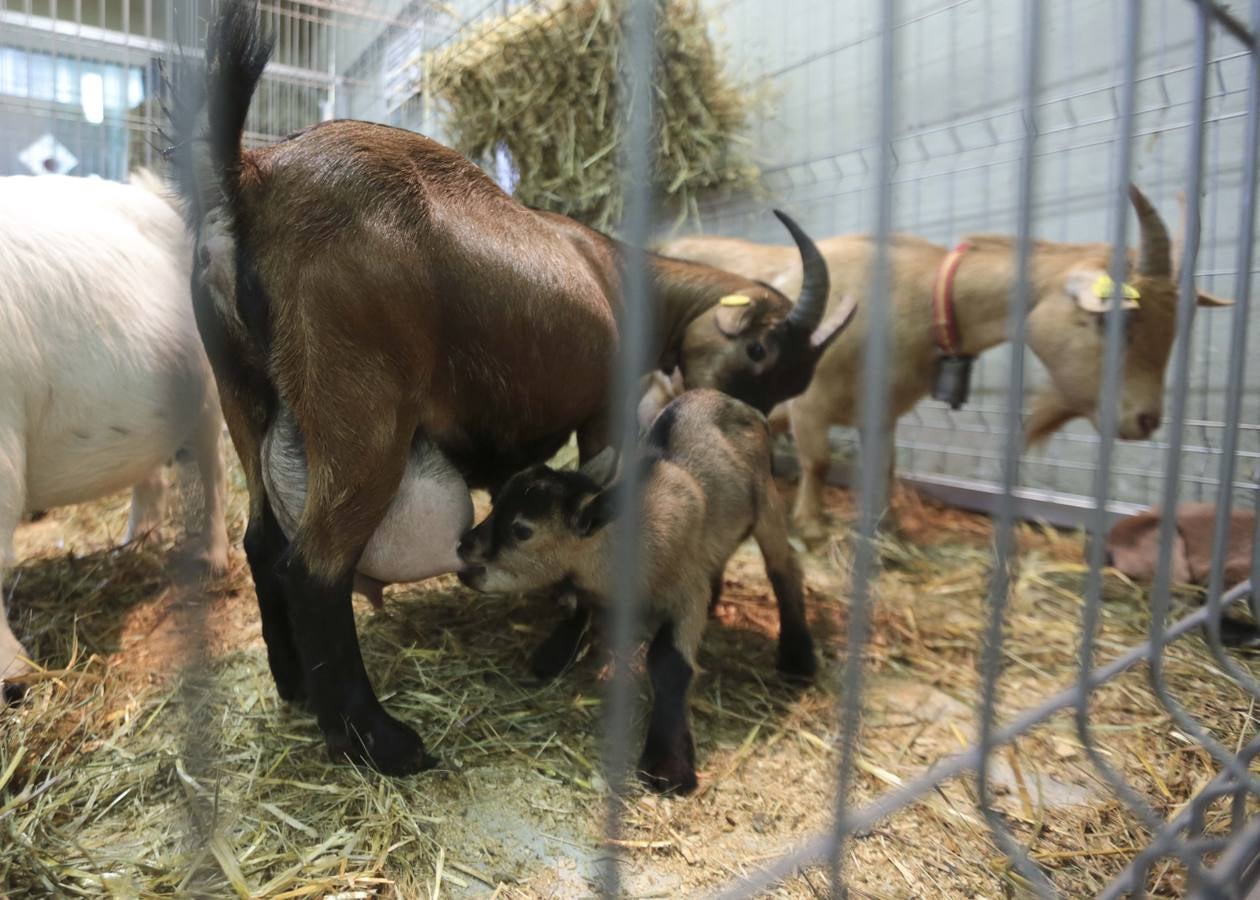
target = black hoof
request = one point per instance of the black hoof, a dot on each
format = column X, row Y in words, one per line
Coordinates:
column 669, row 777
column 670, row 771
column 796, row 660
column 13, row 692
column 548, row 666
column 383, row 743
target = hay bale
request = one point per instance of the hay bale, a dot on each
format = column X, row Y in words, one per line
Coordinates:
column 542, row 81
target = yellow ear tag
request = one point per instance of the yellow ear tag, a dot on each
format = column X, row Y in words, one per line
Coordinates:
column 735, row 300
column 1104, row 288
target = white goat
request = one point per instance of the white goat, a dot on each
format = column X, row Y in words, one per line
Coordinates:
column 102, row 373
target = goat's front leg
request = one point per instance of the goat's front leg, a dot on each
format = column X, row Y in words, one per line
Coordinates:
column 809, row 431
column 796, row 646
column 888, row 522
column 354, row 471
column 668, row 763
column 558, row 651
column 560, row 648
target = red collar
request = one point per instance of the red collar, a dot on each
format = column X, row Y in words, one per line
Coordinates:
column 944, row 319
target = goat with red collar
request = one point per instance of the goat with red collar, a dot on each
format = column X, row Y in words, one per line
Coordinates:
column 950, row 306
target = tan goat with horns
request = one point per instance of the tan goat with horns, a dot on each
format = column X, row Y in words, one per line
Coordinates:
column 1065, row 329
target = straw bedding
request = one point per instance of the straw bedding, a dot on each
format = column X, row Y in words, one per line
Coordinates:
column 127, row 774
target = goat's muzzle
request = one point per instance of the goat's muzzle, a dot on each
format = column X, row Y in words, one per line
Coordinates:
column 472, row 575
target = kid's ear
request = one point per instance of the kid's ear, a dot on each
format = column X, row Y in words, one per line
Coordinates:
column 602, row 468
column 596, row 513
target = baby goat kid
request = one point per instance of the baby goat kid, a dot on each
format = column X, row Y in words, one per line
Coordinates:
column 707, row 487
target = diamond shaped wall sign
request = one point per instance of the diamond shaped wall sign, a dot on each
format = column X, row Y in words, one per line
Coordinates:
column 47, row 156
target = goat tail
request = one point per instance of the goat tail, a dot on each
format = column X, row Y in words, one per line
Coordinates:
column 206, row 109
column 236, row 54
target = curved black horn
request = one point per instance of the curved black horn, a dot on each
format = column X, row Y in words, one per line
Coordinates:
column 816, row 283
column 1155, row 257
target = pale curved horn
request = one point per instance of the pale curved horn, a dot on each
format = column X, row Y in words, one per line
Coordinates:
column 1155, row 257
column 811, row 303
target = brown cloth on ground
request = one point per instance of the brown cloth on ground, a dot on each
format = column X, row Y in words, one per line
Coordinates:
column 1133, row 545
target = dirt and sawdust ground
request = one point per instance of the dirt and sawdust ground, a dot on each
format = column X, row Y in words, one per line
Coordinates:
column 120, row 776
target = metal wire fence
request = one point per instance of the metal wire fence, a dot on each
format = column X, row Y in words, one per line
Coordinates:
column 957, row 153
column 1184, row 835
column 1042, row 137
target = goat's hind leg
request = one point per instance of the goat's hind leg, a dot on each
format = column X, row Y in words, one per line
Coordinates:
column 212, row 552
column 148, row 504
column 354, row 470
column 265, row 544
column 12, row 498
column 668, row 763
column 715, row 590
column 560, row 648
column 796, row 646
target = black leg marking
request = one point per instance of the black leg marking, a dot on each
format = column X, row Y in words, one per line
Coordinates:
column 354, row 723
column 715, row 592
column 796, row 646
column 264, row 544
column 669, row 753
column 561, row 647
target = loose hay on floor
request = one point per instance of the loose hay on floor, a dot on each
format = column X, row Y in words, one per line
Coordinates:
column 120, row 776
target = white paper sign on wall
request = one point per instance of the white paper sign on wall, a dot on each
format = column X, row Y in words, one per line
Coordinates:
column 47, row 156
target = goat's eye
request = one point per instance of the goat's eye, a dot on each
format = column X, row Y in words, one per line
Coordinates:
column 756, row 351
column 521, row 531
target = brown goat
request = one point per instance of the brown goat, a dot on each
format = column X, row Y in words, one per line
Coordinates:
column 707, row 486
column 1133, row 545
column 379, row 289
column 1064, row 329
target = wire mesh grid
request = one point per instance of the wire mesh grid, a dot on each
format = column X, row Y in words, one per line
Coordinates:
column 933, row 117
column 1038, row 129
